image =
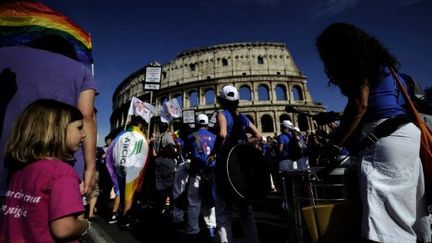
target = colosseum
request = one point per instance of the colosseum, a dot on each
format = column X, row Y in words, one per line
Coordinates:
column 264, row 73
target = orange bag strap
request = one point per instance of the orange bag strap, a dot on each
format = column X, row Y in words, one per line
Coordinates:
column 410, row 105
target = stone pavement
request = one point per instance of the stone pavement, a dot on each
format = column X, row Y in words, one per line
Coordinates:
column 153, row 227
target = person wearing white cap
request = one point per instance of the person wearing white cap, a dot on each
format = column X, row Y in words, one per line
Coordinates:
column 200, row 144
column 232, row 126
column 303, row 162
column 283, row 140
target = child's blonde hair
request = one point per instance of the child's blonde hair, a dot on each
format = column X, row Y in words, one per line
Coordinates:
column 40, row 132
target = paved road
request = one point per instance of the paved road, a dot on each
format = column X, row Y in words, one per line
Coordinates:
column 153, row 227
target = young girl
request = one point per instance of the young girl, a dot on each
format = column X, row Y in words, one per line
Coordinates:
column 43, row 201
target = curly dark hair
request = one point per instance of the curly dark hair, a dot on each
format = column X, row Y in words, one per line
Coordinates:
column 351, row 55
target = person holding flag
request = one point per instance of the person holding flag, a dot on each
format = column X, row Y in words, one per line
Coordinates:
column 126, row 160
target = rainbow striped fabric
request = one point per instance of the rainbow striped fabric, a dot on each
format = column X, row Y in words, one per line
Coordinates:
column 24, row 21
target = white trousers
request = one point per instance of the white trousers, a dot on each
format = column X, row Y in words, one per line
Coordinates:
column 195, row 207
column 392, row 188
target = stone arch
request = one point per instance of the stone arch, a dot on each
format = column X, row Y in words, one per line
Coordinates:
column 303, row 123
column 281, row 93
column 267, row 123
column 263, row 92
column 245, row 93
column 193, row 98
column 297, row 93
column 209, row 96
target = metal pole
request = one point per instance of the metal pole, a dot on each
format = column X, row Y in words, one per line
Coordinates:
column 148, row 125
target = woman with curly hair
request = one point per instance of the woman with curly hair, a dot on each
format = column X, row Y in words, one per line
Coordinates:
column 391, row 175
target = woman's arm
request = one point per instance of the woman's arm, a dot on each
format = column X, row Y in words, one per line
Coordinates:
column 353, row 113
column 256, row 134
column 86, row 106
column 69, row 227
column 222, row 122
column 221, row 133
column 280, row 148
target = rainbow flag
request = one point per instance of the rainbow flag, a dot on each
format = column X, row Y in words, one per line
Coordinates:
column 127, row 159
column 24, row 21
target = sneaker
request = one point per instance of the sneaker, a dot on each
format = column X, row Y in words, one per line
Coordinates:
column 113, row 218
column 126, row 222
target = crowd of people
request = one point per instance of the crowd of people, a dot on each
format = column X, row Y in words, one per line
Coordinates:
column 50, row 165
column 185, row 162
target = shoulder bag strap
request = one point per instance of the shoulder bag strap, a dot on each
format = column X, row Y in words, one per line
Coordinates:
column 197, row 142
column 413, row 113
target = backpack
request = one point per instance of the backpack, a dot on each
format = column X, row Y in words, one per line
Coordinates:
column 296, row 148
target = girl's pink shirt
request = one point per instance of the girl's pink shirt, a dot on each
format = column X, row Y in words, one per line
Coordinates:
column 42, row 191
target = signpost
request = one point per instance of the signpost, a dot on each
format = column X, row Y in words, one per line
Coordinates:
column 189, row 117
column 152, row 80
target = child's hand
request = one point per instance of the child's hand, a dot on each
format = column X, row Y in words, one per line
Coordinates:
column 81, row 217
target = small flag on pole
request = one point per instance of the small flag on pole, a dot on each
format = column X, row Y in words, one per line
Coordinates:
column 173, row 108
column 142, row 109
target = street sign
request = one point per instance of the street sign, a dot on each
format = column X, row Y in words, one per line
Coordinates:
column 189, row 116
column 151, row 86
column 152, row 78
column 153, row 74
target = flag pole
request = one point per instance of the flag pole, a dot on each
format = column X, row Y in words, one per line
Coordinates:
column 129, row 115
column 148, row 125
column 127, row 119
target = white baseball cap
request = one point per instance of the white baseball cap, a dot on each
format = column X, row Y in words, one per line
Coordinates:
column 229, row 92
column 287, row 124
column 202, row 119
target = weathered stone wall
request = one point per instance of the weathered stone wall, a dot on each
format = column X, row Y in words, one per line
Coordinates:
column 245, row 65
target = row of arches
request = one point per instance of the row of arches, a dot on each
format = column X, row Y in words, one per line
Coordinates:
column 245, row 92
column 268, row 125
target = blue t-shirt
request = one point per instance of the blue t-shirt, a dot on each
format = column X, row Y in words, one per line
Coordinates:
column 385, row 99
column 201, row 144
column 284, row 138
column 240, row 136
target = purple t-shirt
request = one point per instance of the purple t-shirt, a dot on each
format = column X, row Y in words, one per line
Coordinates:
column 39, row 193
column 28, row 74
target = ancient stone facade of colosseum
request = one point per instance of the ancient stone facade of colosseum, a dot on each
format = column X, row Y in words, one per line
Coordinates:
column 264, row 73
